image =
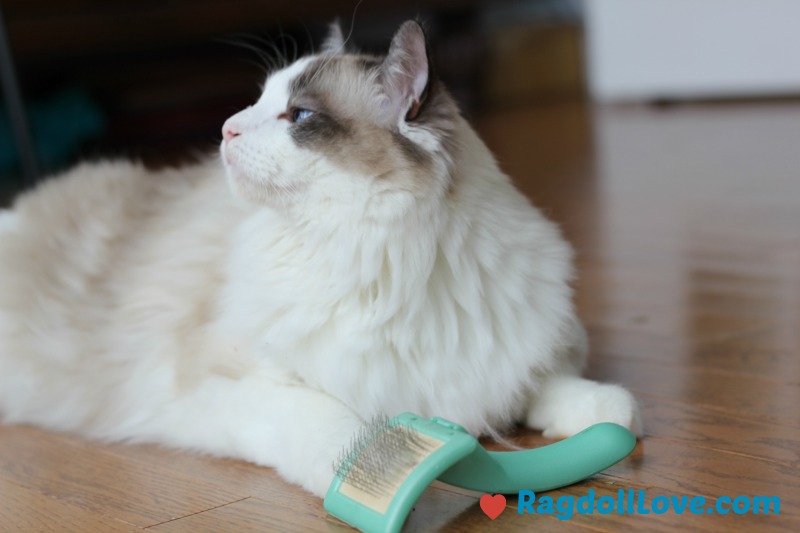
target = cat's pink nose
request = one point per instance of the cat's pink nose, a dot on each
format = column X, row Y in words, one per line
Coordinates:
column 229, row 131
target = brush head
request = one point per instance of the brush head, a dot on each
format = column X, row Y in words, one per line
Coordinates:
column 381, row 455
column 388, row 465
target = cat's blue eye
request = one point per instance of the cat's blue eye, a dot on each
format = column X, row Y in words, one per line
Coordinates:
column 297, row 114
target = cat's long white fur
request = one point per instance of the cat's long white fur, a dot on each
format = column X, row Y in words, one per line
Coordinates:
column 156, row 306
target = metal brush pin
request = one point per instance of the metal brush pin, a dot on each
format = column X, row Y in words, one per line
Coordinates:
column 380, row 455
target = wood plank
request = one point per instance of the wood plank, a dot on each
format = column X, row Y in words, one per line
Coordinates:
column 665, row 315
column 704, row 427
column 752, row 396
column 83, row 474
column 23, row 509
column 756, row 353
column 435, row 509
column 677, row 467
column 230, row 474
column 248, row 515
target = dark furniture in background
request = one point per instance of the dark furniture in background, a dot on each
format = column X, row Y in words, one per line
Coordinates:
column 166, row 74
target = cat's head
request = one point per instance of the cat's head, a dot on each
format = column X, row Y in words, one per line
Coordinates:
column 372, row 135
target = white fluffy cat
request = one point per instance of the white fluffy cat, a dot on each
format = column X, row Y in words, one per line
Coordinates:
column 371, row 258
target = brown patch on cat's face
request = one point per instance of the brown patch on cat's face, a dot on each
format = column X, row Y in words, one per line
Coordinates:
column 348, row 125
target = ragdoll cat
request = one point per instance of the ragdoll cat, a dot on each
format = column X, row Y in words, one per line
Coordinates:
column 356, row 252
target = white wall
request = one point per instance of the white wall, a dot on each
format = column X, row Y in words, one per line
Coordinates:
column 644, row 49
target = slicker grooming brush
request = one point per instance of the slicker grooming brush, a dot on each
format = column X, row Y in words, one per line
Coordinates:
column 391, row 462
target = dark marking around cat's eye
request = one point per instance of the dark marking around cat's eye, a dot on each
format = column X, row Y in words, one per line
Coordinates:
column 319, row 131
column 347, row 128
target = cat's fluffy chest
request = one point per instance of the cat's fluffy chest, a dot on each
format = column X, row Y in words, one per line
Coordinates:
column 328, row 310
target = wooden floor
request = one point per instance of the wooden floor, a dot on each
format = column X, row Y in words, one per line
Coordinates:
column 687, row 226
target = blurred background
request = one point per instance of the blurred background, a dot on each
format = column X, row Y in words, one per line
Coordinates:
column 155, row 79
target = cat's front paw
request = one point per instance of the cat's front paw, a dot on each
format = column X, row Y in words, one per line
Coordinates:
column 313, row 474
column 320, row 482
column 317, row 466
column 569, row 407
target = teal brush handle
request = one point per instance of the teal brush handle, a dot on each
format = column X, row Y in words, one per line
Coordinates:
column 548, row 467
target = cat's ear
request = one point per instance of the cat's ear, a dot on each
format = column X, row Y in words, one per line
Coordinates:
column 406, row 72
column 334, row 43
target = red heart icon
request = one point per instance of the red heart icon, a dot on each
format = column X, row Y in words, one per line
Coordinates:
column 493, row 506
